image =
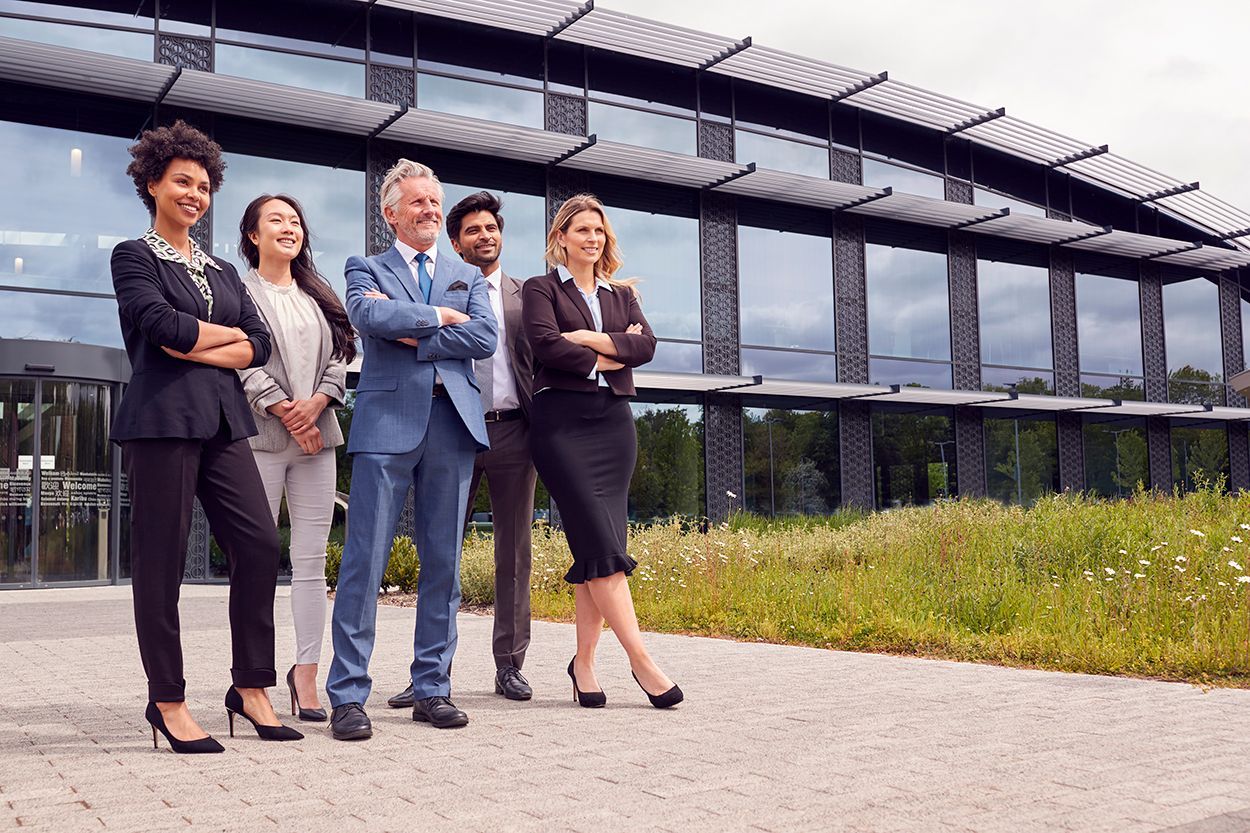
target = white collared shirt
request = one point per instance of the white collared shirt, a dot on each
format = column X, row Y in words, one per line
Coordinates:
column 592, row 301
column 410, row 257
column 505, row 392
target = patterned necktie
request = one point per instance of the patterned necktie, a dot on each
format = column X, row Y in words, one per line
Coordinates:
column 483, row 369
column 423, row 276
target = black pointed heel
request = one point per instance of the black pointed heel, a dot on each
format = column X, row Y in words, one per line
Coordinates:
column 586, row 699
column 307, row 715
column 234, row 705
column 199, row 746
column 666, row 700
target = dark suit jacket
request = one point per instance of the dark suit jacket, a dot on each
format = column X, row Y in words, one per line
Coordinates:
column 159, row 306
column 521, row 357
column 552, row 307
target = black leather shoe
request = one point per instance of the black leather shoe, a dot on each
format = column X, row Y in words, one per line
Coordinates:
column 349, row 722
column 510, row 683
column 439, row 712
column 403, row 700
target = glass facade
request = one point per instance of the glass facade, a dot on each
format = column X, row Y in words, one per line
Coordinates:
column 1199, row 457
column 94, row 39
column 668, row 477
column 1191, row 331
column 903, row 180
column 478, row 100
column 305, row 71
column 913, row 458
column 785, row 293
column 1021, row 459
column 790, row 462
column 1108, row 329
column 781, row 154
column 1116, row 460
column 663, row 251
column 1013, row 309
column 908, row 305
column 17, row 491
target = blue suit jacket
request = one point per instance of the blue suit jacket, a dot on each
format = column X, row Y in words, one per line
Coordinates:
column 392, row 409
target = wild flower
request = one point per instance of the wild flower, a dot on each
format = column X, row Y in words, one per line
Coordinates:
column 1180, row 558
column 1086, row 573
column 1123, row 552
column 1222, row 583
column 730, row 494
column 1143, row 562
column 1236, row 539
column 1244, row 526
column 1178, row 568
column 1156, row 547
column 1236, row 566
column 1139, row 575
column 1198, row 532
column 1225, row 549
column 1243, row 579
column 1109, row 571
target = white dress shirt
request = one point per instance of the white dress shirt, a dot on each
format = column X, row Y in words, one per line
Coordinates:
column 596, row 312
column 506, row 397
column 410, row 257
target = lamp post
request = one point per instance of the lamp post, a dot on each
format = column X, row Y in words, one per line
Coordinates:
column 1119, row 475
column 941, row 444
column 772, row 495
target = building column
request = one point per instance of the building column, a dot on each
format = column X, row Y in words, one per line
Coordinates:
column 1069, row 434
column 1159, row 452
column 970, row 478
column 1156, row 362
column 1230, row 329
column 851, row 333
column 1070, row 438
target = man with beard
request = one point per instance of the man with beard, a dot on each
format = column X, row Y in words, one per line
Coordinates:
column 475, row 226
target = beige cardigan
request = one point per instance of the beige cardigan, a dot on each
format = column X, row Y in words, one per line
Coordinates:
column 269, row 385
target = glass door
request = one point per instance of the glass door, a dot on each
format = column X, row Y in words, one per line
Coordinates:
column 17, row 488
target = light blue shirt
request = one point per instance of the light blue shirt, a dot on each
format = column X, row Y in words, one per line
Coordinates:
column 596, row 312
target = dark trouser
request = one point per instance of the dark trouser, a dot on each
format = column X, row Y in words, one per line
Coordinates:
column 510, row 475
column 164, row 477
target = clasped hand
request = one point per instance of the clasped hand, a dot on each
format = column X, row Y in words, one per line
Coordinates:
column 594, row 340
column 446, row 316
column 299, row 417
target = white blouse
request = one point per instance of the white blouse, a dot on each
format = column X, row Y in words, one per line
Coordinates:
column 299, row 325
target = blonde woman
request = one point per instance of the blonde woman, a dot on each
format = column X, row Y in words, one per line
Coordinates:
column 587, row 331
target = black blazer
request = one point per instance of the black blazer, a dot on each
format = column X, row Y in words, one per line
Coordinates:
column 159, row 306
column 551, row 306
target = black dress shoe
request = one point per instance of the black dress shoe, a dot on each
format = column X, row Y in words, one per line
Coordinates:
column 510, row 683
column 666, row 700
column 403, row 700
column 439, row 712
column 349, row 722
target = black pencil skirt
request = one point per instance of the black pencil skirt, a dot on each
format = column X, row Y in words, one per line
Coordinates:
column 584, row 448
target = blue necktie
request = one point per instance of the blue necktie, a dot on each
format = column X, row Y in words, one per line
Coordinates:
column 423, row 276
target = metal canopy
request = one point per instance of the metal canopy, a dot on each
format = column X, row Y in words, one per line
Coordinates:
column 780, row 186
column 1218, row 413
column 1039, row 402
column 1146, row 409
column 1129, row 244
column 792, row 72
column 696, row 382
column 527, row 144
column 1037, row 229
column 1209, row 257
column 535, row 17
column 926, row 211
column 919, row 106
column 656, row 165
column 812, row 390
column 933, row 396
column 646, row 38
column 45, row 65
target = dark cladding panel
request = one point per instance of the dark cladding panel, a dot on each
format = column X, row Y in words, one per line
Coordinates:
column 851, row 310
column 1063, row 324
column 1070, row 439
column 723, row 458
column 382, row 155
column 970, row 452
column 958, row 191
column 1230, row 327
column 394, row 85
column 855, row 441
column 192, row 53
column 1151, row 284
column 965, row 332
column 1238, row 457
column 718, row 242
column 845, row 166
column 1159, row 450
column 562, row 184
column 716, row 141
column 565, row 114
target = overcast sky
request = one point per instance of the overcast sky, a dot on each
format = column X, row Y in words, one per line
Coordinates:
column 1163, row 82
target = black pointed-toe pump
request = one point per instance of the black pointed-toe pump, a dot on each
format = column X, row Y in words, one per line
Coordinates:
column 199, row 746
column 666, row 700
column 586, row 699
column 234, row 705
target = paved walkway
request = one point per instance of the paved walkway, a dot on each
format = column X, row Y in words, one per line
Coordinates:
column 770, row 739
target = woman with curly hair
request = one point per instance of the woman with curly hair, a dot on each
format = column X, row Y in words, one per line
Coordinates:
column 293, row 398
column 183, row 425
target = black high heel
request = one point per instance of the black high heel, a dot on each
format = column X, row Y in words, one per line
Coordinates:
column 309, row 715
column 586, row 699
column 198, row 746
column 234, row 705
column 666, row 700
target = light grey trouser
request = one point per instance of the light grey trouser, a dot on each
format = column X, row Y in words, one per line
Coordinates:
column 308, row 480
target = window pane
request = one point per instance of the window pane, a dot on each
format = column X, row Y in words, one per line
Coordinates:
column 662, row 250
column 785, row 289
column 109, row 41
column 329, row 27
column 1113, row 387
column 496, row 54
column 668, row 477
column 59, row 318
column 777, row 111
column 676, row 357
column 1024, row 380
column 76, row 493
column 132, row 13
column 790, row 462
column 480, row 101
column 1021, row 459
column 87, row 205
column 17, row 449
column 524, row 228
column 908, row 303
column 992, row 199
column 1014, row 309
column 1191, row 331
column 391, row 37
column 1115, row 457
column 781, row 154
column 1108, row 324
column 650, row 84
column 1199, row 457
column 909, row 374
column 333, row 201
column 303, row 71
column 790, row 364
column 1245, row 333
column 903, row 180
column 650, row 130
column 913, row 457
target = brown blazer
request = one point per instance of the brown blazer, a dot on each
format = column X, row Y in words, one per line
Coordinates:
column 519, row 353
column 551, row 307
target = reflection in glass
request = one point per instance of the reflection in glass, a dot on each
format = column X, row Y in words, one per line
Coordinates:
column 1199, row 457
column 391, row 36
column 636, row 127
column 993, row 199
column 17, row 449
column 908, row 304
column 1108, row 325
column 655, row 85
column 909, row 374
column 1021, row 459
column 789, row 364
column 913, row 457
column 903, row 180
column 37, row 315
column 1116, row 462
column 1245, row 333
column 1014, row 310
column 333, row 201
column 785, row 289
column 109, row 41
column 1112, row 387
column 496, row 54
column 781, row 154
column 133, row 13
column 662, row 250
column 790, row 462
column 676, row 357
column 1022, row 380
column 327, row 27
column 524, row 229
column 668, row 477
column 86, row 206
column 479, row 100
column 76, row 491
column 325, row 74
column 1191, row 331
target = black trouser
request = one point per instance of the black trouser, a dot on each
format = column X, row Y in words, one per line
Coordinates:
column 164, row 477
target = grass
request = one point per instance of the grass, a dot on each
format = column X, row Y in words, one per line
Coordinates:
column 1150, row 586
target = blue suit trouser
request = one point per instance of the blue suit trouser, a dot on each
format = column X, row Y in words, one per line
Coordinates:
column 439, row 469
